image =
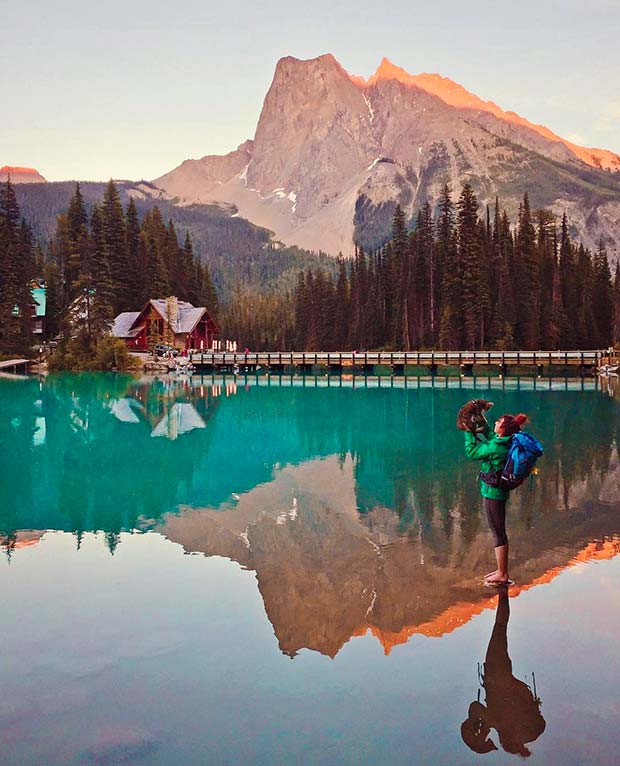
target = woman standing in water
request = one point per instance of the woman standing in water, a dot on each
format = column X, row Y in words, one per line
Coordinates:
column 491, row 447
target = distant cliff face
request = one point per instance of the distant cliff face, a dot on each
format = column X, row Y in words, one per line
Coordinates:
column 332, row 151
column 21, row 175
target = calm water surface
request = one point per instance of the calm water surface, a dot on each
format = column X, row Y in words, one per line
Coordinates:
column 207, row 571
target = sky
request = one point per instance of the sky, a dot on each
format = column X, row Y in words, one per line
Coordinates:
column 93, row 91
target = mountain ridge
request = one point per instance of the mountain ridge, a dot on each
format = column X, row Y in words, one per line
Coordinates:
column 328, row 142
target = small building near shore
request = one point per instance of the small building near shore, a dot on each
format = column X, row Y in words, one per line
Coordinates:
column 39, row 298
column 166, row 320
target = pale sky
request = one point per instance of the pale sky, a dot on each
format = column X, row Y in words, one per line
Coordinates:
column 130, row 89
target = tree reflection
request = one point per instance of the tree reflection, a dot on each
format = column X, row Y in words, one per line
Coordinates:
column 356, row 508
column 84, row 457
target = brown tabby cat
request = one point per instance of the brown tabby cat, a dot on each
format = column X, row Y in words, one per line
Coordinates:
column 471, row 416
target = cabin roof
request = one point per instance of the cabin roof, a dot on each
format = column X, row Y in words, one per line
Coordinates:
column 123, row 324
column 128, row 324
column 188, row 316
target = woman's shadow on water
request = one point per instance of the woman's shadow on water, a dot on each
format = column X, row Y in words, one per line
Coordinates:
column 511, row 707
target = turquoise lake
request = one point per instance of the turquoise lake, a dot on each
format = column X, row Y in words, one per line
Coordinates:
column 288, row 570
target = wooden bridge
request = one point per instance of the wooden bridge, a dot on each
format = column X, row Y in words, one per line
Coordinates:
column 585, row 361
column 13, row 365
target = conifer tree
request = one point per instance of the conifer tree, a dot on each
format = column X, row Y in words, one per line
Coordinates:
column 77, row 237
column 586, row 326
column 469, row 245
column 17, row 269
column 528, row 280
column 185, row 274
column 396, row 273
column 135, row 268
column 546, row 242
column 557, row 318
column 615, row 335
column 159, row 285
column 341, row 308
column 115, row 247
column 450, row 329
column 603, row 296
column 424, row 277
column 54, row 309
column 300, row 311
column 569, row 287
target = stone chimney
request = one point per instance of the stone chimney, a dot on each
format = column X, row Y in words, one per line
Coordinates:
column 172, row 310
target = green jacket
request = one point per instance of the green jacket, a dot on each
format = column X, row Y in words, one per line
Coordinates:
column 492, row 450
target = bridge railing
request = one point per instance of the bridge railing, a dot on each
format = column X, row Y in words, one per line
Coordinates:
column 295, row 358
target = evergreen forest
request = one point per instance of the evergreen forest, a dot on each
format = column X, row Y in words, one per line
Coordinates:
column 457, row 277
column 461, row 280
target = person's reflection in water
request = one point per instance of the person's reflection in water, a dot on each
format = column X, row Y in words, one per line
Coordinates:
column 511, row 708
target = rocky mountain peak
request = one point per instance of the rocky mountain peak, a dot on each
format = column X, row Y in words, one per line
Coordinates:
column 21, row 175
column 333, row 153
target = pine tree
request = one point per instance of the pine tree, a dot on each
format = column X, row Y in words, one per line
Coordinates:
column 76, row 214
column 396, row 272
column 17, row 269
column 54, row 309
column 470, row 246
column 546, row 247
column 503, row 298
column 300, row 311
column 206, row 294
column 135, row 268
column 528, row 282
column 115, row 247
column 424, row 277
column 185, row 275
column 341, row 312
column 587, row 335
column 450, row 271
column 615, row 336
column 557, row 319
column 159, row 286
column 603, row 296
column 77, row 237
column 569, row 287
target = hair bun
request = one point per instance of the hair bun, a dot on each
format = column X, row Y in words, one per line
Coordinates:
column 521, row 419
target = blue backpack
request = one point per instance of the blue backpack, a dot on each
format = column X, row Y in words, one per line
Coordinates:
column 523, row 453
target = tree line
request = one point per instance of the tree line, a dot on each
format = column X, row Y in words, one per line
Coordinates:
column 18, row 266
column 459, row 280
column 98, row 263
column 450, row 279
column 110, row 261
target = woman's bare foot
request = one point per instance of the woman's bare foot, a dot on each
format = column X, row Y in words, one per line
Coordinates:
column 498, row 578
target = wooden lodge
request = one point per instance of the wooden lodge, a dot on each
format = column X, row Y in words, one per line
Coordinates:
column 166, row 320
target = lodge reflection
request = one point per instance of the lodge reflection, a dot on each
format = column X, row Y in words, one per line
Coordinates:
column 510, row 706
column 355, row 508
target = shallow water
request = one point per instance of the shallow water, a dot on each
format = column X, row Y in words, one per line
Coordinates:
column 288, row 571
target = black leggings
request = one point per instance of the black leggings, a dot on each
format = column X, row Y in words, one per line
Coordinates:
column 496, row 516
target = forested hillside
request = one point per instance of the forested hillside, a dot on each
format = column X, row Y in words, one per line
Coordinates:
column 455, row 280
column 235, row 250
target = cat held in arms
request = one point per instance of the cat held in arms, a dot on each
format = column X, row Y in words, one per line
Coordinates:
column 471, row 416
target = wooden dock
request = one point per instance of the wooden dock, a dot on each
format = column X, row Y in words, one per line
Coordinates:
column 13, row 365
column 585, row 361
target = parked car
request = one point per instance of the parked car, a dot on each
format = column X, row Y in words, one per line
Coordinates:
column 161, row 349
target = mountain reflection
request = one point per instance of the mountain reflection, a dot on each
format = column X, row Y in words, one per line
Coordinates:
column 511, row 706
column 355, row 508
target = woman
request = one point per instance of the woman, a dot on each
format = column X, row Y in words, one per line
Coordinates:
column 492, row 449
